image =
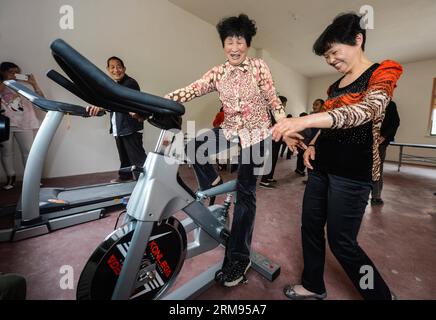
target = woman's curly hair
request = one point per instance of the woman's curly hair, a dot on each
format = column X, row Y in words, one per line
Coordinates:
column 241, row 26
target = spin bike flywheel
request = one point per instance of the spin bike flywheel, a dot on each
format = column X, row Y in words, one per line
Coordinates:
column 162, row 261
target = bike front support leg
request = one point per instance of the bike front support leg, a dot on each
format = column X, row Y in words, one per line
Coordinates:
column 127, row 279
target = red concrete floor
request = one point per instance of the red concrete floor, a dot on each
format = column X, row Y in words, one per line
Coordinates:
column 400, row 237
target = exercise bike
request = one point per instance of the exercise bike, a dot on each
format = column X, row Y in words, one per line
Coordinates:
column 142, row 258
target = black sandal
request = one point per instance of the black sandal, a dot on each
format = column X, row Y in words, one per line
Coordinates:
column 291, row 294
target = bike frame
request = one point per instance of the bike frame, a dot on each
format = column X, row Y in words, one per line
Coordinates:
column 156, row 197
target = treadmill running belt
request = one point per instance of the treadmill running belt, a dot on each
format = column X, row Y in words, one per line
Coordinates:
column 97, row 192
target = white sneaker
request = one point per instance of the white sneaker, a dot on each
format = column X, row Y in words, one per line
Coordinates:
column 8, row 187
column 10, row 184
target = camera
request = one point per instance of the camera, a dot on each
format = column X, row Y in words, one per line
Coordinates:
column 22, row 77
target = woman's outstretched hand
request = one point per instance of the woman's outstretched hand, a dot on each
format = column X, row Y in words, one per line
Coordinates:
column 293, row 143
column 289, row 127
column 309, row 155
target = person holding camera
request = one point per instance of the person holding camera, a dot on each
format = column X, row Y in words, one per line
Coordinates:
column 22, row 116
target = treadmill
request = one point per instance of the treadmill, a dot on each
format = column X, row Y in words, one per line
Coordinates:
column 42, row 210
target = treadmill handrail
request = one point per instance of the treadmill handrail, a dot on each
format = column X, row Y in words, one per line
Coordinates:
column 82, row 93
column 96, row 80
column 45, row 104
column 67, row 84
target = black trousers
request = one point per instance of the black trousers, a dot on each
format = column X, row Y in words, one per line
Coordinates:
column 283, row 148
column 340, row 203
column 275, row 156
column 131, row 152
column 377, row 186
column 238, row 246
column 300, row 161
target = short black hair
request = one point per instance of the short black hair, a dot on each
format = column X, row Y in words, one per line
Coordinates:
column 240, row 26
column 344, row 29
column 115, row 58
column 283, row 99
column 5, row 66
column 303, row 114
column 319, row 100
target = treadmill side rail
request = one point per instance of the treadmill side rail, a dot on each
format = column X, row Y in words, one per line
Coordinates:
column 68, row 221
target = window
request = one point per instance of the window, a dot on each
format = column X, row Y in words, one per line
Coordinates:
column 433, row 110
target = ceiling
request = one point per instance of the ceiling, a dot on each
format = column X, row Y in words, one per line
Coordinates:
column 404, row 30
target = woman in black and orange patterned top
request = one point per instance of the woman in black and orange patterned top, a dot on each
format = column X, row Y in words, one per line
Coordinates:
column 346, row 160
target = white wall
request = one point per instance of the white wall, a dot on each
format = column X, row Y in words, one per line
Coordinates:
column 412, row 97
column 288, row 83
column 317, row 88
column 162, row 46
